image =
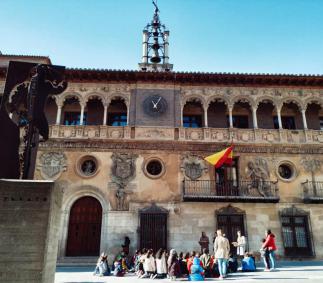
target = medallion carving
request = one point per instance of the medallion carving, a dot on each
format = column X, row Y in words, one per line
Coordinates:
column 51, row 165
column 193, row 166
column 123, row 168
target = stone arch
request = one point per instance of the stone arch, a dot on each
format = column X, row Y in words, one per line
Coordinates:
column 264, row 99
column 266, row 107
column 217, row 98
column 91, row 95
column 242, row 98
column 121, row 96
column 66, row 95
column 194, row 98
column 72, row 195
column 295, row 100
column 313, row 100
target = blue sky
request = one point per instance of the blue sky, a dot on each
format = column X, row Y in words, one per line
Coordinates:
column 266, row 36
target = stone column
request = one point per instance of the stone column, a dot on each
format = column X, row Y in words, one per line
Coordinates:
column 280, row 125
column 105, row 114
column 230, row 108
column 82, row 114
column 128, row 113
column 254, row 118
column 182, row 115
column 205, row 117
column 304, row 118
column 59, row 114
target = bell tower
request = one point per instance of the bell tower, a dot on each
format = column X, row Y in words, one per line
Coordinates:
column 155, row 44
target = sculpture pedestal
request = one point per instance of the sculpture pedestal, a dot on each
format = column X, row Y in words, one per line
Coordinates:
column 29, row 227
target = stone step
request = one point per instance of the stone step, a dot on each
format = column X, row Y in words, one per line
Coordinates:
column 77, row 261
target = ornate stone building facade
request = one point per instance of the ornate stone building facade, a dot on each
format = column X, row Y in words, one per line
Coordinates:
column 128, row 148
column 129, row 169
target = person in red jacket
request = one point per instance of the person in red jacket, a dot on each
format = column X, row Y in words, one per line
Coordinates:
column 270, row 245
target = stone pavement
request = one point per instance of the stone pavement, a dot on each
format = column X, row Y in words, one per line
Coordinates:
column 294, row 272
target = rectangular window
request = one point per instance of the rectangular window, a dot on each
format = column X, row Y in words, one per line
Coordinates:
column 226, row 180
column 288, row 122
column 117, row 119
column 296, row 236
column 192, row 121
column 73, row 118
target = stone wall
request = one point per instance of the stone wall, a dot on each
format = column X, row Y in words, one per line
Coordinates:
column 29, row 229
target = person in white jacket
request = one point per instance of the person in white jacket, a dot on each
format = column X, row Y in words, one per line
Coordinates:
column 149, row 265
column 161, row 265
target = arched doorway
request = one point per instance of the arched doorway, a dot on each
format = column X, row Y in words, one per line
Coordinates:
column 84, row 229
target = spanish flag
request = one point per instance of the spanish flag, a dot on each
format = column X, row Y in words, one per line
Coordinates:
column 222, row 157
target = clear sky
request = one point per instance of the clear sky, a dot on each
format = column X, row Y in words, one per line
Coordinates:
column 266, row 36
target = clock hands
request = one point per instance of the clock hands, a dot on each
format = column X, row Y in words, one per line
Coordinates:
column 155, row 104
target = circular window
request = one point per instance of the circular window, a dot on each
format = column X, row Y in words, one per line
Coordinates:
column 286, row 171
column 87, row 166
column 154, row 168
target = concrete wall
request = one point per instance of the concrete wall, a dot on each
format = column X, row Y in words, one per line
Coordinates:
column 29, row 229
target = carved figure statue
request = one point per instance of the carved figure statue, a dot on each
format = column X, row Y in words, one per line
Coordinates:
column 258, row 172
column 204, row 242
column 125, row 246
column 120, row 196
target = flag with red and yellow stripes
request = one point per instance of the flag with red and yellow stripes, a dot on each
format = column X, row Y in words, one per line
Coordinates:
column 222, row 157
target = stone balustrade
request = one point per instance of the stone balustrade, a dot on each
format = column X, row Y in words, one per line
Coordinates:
column 263, row 136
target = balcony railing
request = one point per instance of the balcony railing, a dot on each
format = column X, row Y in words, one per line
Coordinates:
column 233, row 191
column 264, row 136
column 313, row 192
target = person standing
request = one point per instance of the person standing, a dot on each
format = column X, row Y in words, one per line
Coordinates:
column 270, row 245
column 161, row 266
column 221, row 252
column 240, row 244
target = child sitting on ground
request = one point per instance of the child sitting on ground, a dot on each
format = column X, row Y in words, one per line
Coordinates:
column 248, row 262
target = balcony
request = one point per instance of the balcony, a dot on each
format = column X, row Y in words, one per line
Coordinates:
column 313, row 192
column 230, row 191
column 221, row 135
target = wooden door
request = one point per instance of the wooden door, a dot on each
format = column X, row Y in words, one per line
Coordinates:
column 230, row 224
column 84, row 230
column 296, row 236
column 153, row 231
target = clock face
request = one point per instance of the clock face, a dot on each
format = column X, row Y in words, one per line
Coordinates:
column 155, row 105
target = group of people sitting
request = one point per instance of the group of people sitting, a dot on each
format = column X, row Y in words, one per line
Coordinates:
column 195, row 266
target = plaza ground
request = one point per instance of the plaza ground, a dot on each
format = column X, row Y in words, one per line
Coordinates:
column 287, row 271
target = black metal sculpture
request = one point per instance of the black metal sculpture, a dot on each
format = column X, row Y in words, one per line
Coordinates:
column 26, row 90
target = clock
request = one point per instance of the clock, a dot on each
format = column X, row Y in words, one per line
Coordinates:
column 155, row 105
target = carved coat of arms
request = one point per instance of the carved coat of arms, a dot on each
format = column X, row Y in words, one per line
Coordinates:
column 52, row 164
column 193, row 166
column 123, row 167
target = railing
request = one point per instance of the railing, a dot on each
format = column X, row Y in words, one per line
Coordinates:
column 238, row 191
column 264, row 136
column 313, row 192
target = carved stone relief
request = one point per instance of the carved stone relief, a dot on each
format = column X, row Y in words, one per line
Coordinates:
column 51, row 165
column 259, row 174
column 193, row 166
column 123, row 168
